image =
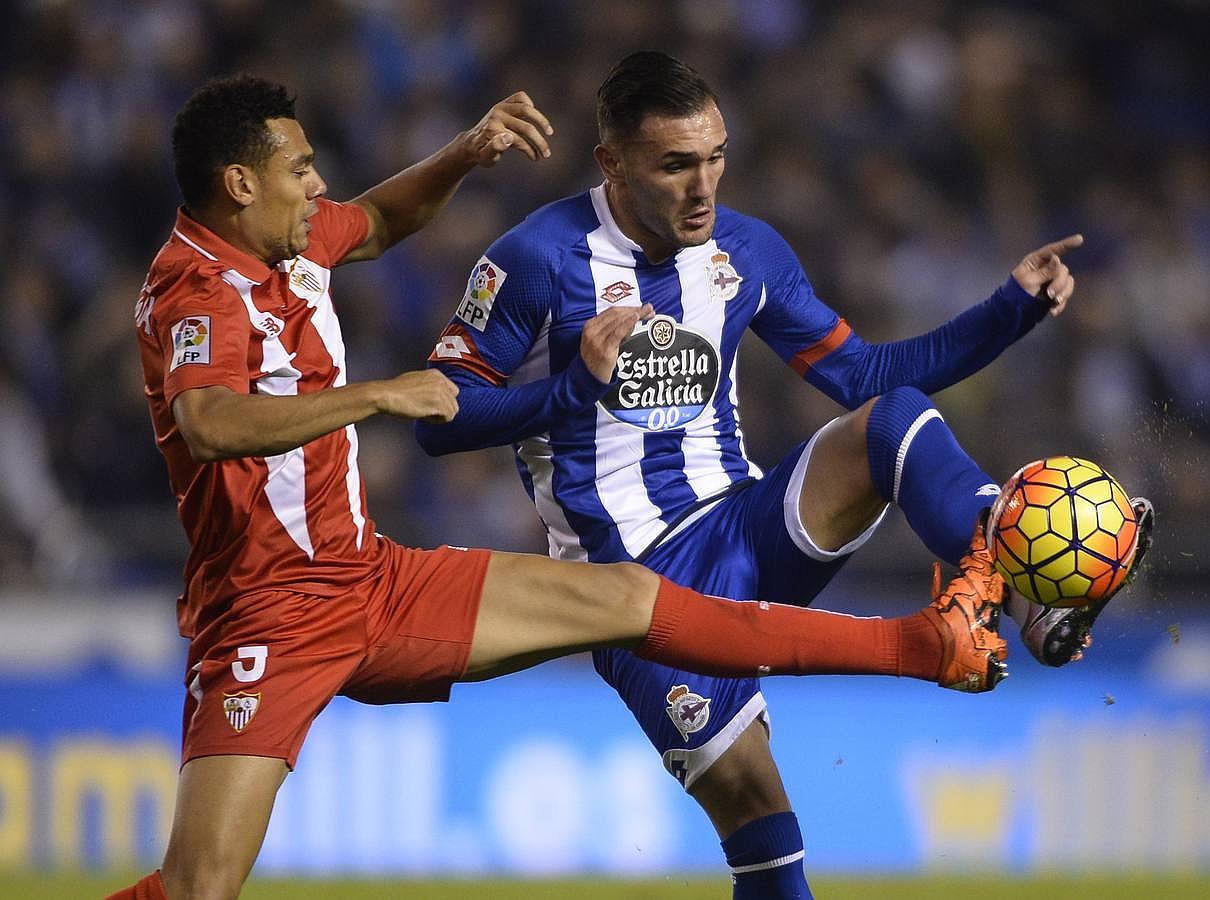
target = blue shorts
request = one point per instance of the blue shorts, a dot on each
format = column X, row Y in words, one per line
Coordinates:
column 749, row 545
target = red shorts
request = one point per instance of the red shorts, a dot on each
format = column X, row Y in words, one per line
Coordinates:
column 259, row 674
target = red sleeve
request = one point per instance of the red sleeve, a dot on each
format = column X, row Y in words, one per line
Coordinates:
column 203, row 333
column 336, row 229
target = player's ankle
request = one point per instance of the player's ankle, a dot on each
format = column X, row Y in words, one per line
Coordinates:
column 921, row 647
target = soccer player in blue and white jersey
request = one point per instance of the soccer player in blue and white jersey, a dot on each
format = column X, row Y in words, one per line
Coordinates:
column 599, row 337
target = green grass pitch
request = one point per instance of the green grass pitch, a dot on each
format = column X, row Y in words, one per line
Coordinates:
column 1099, row 887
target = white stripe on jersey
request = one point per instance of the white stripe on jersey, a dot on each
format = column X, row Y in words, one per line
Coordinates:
column 286, row 487
column 703, row 460
column 619, row 478
column 193, row 245
column 538, row 459
column 753, row 469
column 325, row 322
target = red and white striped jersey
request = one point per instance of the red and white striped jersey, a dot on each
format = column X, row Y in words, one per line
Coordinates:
column 210, row 314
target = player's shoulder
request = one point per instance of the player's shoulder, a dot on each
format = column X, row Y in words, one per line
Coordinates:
column 550, row 231
column 731, row 222
column 739, row 232
column 332, row 215
column 181, row 279
column 180, row 267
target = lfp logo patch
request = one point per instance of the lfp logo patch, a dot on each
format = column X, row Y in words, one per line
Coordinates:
column 191, row 341
column 481, row 288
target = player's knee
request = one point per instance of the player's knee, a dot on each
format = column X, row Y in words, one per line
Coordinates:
column 860, row 419
column 743, row 784
column 202, row 876
column 632, row 590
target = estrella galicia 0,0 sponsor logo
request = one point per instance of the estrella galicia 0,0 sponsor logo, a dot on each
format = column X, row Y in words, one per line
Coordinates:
column 666, row 377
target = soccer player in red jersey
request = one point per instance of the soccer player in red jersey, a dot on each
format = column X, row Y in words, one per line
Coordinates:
column 291, row 597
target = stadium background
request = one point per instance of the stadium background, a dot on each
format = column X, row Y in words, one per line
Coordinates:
column 911, row 152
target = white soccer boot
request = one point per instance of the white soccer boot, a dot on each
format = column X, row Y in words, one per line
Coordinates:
column 1057, row 636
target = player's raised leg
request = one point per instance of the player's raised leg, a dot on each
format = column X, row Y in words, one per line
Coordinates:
column 222, row 810
column 897, row 448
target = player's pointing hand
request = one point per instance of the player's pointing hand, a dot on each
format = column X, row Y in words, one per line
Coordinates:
column 1044, row 269
column 513, row 122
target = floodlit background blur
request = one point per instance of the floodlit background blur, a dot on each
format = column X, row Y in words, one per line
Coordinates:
column 911, row 152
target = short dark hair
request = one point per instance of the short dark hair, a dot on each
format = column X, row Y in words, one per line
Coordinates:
column 645, row 83
column 224, row 123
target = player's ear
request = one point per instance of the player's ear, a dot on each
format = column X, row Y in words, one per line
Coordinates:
column 240, row 183
column 610, row 163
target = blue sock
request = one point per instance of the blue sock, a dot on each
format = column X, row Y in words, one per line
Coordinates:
column 917, row 464
column 765, row 857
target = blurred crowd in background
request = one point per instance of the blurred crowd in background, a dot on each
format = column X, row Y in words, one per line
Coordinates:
column 911, row 152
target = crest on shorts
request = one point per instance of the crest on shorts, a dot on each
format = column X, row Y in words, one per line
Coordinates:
column 240, row 708
column 689, row 711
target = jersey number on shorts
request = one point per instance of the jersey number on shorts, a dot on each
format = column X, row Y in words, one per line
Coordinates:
column 258, row 653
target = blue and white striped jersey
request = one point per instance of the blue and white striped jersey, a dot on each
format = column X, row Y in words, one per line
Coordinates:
column 609, row 467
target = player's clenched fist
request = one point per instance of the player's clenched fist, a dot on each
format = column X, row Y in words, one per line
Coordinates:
column 603, row 335
column 513, row 122
column 427, row 395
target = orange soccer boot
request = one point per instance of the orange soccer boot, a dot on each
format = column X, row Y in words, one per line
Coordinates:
column 967, row 616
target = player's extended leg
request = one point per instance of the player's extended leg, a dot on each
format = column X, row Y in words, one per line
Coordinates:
column 533, row 609
column 222, row 810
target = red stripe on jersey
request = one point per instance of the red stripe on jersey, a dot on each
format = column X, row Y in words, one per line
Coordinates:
column 809, row 356
column 456, row 347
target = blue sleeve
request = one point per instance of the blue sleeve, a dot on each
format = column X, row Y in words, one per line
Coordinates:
column 857, row 371
column 818, row 344
column 491, row 415
column 495, row 326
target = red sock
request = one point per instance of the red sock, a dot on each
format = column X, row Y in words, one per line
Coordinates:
column 150, row 888
column 733, row 638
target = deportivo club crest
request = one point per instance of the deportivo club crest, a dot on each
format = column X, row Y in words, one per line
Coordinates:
column 689, row 711
column 667, row 375
column 721, row 276
column 239, row 708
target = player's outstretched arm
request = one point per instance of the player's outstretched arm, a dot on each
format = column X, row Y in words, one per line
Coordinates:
column 1044, row 269
column 406, row 202
column 217, row 423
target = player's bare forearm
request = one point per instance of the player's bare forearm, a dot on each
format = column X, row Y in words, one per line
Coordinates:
column 406, row 202
column 218, row 423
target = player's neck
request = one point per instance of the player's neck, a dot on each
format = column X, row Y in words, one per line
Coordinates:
column 655, row 248
column 233, row 228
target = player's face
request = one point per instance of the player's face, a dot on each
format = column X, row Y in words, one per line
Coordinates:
column 287, row 188
column 662, row 183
